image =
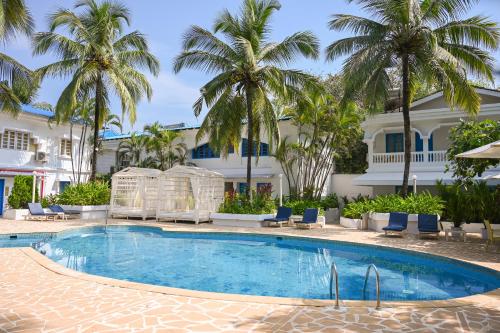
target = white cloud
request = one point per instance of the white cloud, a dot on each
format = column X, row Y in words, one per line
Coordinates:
column 170, row 92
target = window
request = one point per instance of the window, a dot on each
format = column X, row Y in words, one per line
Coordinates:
column 228, row 187
column 419, row 143
column 63, row 185
column 65, row 147
column 242, row 188
column 264, row 149
column 204, row 151
column 394, row 143
column 16, row 140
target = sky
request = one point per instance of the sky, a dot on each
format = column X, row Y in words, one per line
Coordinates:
column 165, row 21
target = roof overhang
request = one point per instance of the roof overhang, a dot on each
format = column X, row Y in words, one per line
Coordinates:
column 242, row 173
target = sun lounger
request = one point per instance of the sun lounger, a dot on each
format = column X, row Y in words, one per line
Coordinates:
column 428, row 225
column 282, row 217
column 309, row 219
column 37, row 213
column 398, row 222
column 64, row 213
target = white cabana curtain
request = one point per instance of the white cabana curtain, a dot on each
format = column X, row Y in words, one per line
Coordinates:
column 189, row 193
column 134, row 193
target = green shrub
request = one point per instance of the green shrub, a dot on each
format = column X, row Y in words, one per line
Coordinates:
column 299, row 206
column 49, row 200
column 22, row 192
column 330, row 201
column 470, row 202
column 235, row 203
column 86, row 194
column 423, row 203
column 355, row 209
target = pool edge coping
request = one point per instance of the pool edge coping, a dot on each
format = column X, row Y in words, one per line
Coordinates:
column 56, row 268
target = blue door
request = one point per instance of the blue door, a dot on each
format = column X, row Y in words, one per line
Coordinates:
column 2, row 186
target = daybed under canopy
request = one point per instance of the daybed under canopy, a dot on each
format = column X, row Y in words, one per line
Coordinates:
column 134, row 193
column 189, row 194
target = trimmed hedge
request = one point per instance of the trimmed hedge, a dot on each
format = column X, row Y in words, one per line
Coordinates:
column 423, row 203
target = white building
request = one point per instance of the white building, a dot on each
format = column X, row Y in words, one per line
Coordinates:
column 29, row 145
column 264, row 172
column 431, row 120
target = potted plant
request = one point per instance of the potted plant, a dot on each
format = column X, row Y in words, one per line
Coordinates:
column 456, row 199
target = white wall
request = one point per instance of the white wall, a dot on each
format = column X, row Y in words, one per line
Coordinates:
column 43, row 138
column 341, row 184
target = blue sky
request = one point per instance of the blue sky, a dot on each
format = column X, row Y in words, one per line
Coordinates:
column 164, row 22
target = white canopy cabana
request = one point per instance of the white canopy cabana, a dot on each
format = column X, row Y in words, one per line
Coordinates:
column 491, row 150
column 134, row 192
column 189, row 194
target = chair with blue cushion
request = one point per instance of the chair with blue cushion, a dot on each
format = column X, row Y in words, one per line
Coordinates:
column 309, row 219
column 398, row 222
column 37, row 213
column 428, row 225
column 64, row 213
column 282, row 216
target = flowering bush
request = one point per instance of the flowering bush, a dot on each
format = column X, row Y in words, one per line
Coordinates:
column 235, row 203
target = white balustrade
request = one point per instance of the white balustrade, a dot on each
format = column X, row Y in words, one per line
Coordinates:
column 416, row 157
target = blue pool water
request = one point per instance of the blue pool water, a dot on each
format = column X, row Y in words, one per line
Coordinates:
column 258, row 264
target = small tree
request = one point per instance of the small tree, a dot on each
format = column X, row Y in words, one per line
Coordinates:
column 470, row 135
column 22, row 192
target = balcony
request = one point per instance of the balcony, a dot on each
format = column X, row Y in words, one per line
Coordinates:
column 417, row 157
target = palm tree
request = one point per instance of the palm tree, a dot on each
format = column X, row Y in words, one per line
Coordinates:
column 16, row 83
column 160, row 141
column 133, row 148
column 248, row 71
column 427, row 41
column 100, row 59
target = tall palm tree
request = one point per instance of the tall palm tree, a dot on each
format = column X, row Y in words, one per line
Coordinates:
column 427, row 41
column 160, row 141
column 248, row 70
column 133, row 148
column 16, row 83
column 100, row 59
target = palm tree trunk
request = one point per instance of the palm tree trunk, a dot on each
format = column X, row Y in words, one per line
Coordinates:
column 249, row 97
column 98, row 107
column 406, row 122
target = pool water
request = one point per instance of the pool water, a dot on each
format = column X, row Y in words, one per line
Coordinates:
column 262, row 265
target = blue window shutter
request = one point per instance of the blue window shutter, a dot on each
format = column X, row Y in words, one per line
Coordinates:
column 394, row 143
column 244, row 147
column 242, row 187
column 431, row 143
column 419, row 143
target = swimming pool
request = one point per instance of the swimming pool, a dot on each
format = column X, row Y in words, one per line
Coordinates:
column 259, row 264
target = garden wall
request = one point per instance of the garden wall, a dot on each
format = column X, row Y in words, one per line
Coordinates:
column 341, row 184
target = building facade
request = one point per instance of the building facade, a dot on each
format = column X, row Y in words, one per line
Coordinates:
column 431, row 121
column 30, row 144
column 265, row 171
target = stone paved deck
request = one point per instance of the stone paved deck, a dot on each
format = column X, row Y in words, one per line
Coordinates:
column 37, row 295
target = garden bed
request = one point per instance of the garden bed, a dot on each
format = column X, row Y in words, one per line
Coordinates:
column 88, row 212
column 240, row 220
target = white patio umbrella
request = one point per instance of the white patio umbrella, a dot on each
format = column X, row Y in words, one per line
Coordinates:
column 491, row 150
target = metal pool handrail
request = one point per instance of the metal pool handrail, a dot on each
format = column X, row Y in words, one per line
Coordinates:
column 377, row 285
column 334, row 273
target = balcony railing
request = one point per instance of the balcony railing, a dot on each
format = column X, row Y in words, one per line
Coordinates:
column 416, row 157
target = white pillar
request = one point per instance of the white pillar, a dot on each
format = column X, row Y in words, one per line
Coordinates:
column 369, row 143
column 414, row 184
column 34, row 188
column 281, row 189
column 425, row 142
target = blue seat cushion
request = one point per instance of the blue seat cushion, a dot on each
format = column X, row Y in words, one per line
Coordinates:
column 394, row 228
column 428, row 230
column 276, row 219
